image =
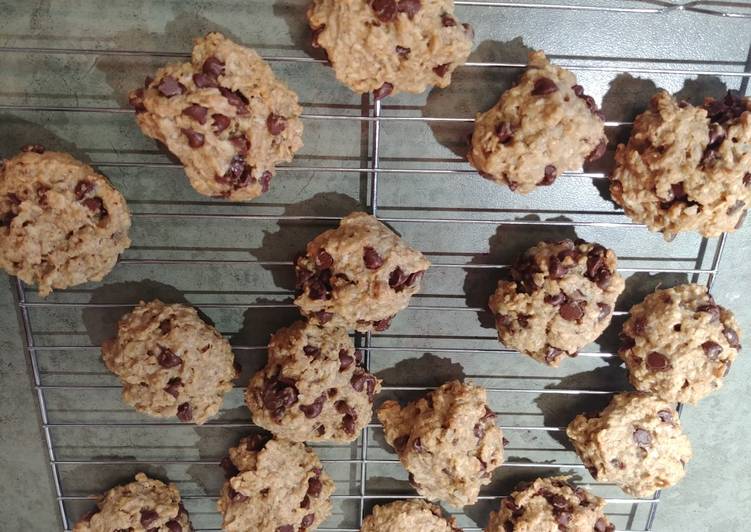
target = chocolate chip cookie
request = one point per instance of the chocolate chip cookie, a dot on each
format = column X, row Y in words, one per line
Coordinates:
column 357, row 276
column 687, row 168
column 224, row 115
column 561, row 298
column 61, row 223
column 543, row 126
column 274, row 486
column 312, row 388
column 408, row 516
column 550, row 505
column 145, row 505
column 390, row 46
column 679, row 344
column 170, row 362
column 636, row 443
column 447, row 440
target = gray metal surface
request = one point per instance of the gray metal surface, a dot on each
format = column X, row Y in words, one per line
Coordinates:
column 67, row 66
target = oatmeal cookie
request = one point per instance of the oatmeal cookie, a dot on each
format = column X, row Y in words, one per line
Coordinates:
column 550, row 505
column 448, row 442
column 561, row 298
column 274, row 486
column 357, row 276
column 636, row 443
column 408, row 516
column 61, row 223
column 312, row 388
column 390, row 46
column 170, row 362
column 145, row 505
column 687, row 168
column 679, row 344
column 224, row 115
column 543, row 126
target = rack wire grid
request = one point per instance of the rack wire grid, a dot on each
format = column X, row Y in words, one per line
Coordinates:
column 401, row 160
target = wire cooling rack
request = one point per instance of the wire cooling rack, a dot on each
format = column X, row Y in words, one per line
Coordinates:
column 95, row 442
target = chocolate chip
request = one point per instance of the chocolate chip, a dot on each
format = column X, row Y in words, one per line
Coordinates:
column 410, row 7
column 602, row 525
column 441, row 70
column 403, row 51
column 555, row 299
column 711, row 309
column 148, row 517
column 372, row 259
column 285, row 528
column 196, row 112
column 544, row 86
column 345, row 360
column 343, row 408
column 168, row 359
column 323, row 260
column 213, row 67
column 308, row 520
column 230, row 470
column 666, row 416
column 747, row 179
column 677, row 327
column 237, row 175
column 505, row 132
column 385, row 10
column 732, row 337
column 712, row 350
column 33, row 148
column 599, row 151
column 314, row 487
column 314, row 409
column 236, row 99
column 174, row 526
column 363, row 381
column 204, row 81
column 195, row 139
column 276, row 124
column 348, row 422
column 279, row 394
column 173, row 386
column 523, row 272
column 657, row 361
column 220, row 122
column 305, row 503
column 169, row 87
column 642, row 438
column 479, row 430
column 185, row 412
column 83, row 187
column 549, row 177
column 556, row 270
column 417, row 445
column 401, row 442
column 323, row 317
column 383, row 91
column 165, row 326
column 95, row 205
column 552, row 353
column 572, row 310
column 412, row 278
column 311, row 351
column 265, row 181
column 605, row 311
column 447, row 20
column 382, row 325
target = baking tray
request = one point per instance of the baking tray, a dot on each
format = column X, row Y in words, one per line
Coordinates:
column 72, row 64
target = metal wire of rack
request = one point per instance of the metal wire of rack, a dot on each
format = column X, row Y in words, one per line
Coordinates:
column 365, row 454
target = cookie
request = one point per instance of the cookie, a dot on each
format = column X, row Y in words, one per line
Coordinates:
column 61, row 223
column 561, row 298
column 357, row 276
column 543, row 126
column 408, row 516
column 170, row 362
column 687, row 168
column 550, row 505
column 144, row 505
column 274, row 486
column 447, row 440
column 225, row 115
column 390, row 46
column 679, row 344
column 636, row 443
column 312, row 388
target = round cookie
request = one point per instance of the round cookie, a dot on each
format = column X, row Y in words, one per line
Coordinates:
column 61, row 223
column 636, row 443
column 543, row 126
column 274, row 486
column 408, row 516
column 357, row 276
column 687, row 168
column 312, row 388
column 550, row 505
column 679, row 344
column 145, row 505
column 390, row 46
column 447, row 440
column 224, row 115
column 170, row 362
column 561, row 298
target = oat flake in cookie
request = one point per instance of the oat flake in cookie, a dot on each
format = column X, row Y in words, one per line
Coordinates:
column 357, row 276
column 224, row 115
column 61, row 223
column 145, row 505
column 561, row 298
column 274, row 486
column 390, row 46
column 679, row 344
column 687, row 168
column 636, row 443
column 170, row 362
column 408, row 516
column 540, row 128
column 312, row 388
column 550, row 505
column 447, row 440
